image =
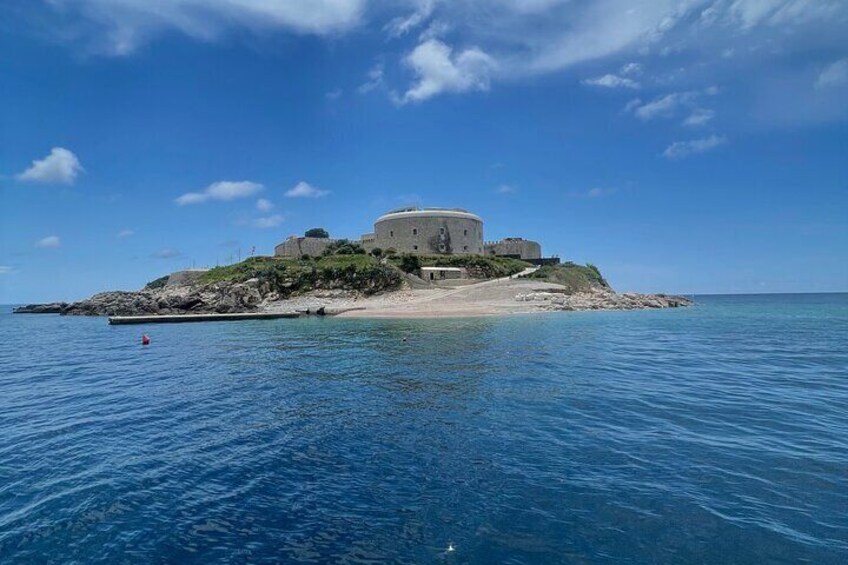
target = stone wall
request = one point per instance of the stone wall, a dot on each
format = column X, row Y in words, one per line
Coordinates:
column 430, row 233
column 514, row 246
column 299, row 246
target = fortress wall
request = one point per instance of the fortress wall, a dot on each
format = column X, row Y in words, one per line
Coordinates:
column 524, row 248
column 436, row 234
column 298, row 246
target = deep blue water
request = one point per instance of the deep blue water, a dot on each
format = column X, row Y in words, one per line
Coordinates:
column 712, row 434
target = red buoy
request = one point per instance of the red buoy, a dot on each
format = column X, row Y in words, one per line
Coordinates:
column 145, row 340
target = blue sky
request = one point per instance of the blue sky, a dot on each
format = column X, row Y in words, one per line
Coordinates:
column 694, row 147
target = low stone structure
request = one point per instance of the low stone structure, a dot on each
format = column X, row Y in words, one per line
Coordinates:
column 443, row 273
column 516, row 247
column 297, row 247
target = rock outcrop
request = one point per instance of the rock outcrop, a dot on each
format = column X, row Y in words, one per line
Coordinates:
column 601, row 299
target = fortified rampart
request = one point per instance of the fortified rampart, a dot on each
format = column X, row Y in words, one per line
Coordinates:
column 299, row 246
column 514, row 247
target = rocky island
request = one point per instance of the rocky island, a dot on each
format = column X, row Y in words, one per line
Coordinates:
column 353, row 283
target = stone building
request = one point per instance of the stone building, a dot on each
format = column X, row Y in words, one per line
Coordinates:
column 516, row 247
column 297, row 247
column 427, row 231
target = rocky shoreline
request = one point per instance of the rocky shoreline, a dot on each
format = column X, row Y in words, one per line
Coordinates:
column 601, row 299
column 378, row 294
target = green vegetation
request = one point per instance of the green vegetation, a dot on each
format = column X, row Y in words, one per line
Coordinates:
column 576, row 278
column 344, row 247
column 288, row 276
column 157, row 283
column 317, row 232
column 478, row 266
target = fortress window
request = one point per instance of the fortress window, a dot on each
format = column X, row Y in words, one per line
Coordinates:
column 415, row 247
column 465, row 232
column 414, row 231
column 441, row 231
column 391, row 233
column 465, row 247
column 441, row 247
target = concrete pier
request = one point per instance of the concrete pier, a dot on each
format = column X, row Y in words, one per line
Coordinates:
column 182, row 318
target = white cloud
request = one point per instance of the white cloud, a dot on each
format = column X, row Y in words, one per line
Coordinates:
column 662, row 107
column 834, row 75
column 375, row 79
column 401, row 25
column 268, row 221
column 125, row 233
column 6, row 270
column 631, row 69
column 120, row 26
column 670, row 105
column 595, row 192
column 61, row 166
column 612, row 81
column 505, row 189
column 221, row 190
column 438, row 70
column 699, row 117
column 306, row 190
column 680, row 149
column 49, row 242
column 264, row 205
column 334, row 94
column 167, row 253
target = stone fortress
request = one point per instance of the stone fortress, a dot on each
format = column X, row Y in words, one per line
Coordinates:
column 426, row 231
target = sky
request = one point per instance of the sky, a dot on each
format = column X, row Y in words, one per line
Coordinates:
column 698, row 146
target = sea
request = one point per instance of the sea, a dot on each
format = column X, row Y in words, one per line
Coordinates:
column 711, row 434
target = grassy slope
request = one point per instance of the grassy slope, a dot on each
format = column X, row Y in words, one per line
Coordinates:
column 351, row 272
column 479, row 266
column 576, row 278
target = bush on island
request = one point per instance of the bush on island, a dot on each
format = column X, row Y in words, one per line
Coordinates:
column 317, row 232
column 344, row 247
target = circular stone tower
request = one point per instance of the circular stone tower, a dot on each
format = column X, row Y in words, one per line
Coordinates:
column 430, row 231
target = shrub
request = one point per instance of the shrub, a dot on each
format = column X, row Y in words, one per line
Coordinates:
column 409, row 263
column 317, row 232
column 157, row 283
column 344, row 247
column 377, row 252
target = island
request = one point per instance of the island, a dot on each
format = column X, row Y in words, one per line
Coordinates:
column 430, row 262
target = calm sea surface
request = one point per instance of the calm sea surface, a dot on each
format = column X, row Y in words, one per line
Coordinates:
column 712, row 434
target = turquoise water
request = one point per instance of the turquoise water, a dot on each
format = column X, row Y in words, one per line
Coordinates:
column 712, row 434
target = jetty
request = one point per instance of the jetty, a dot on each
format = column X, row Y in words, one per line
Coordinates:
column 183, row 318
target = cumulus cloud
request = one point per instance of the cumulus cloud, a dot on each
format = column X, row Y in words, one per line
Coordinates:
column 49, row 242
column 221, row 190
column 268, row 221
column 264, row 205
column 834, row 75
column 612, row 81
column 306, row 190
column 167, row 253
column 125, row 233
column 61, row 166
column 438, row 70
column 680, row 149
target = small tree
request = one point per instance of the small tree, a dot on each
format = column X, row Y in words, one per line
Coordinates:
column 377, row 252
column 317, row 232
column 390, row 252
column 409, row 263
